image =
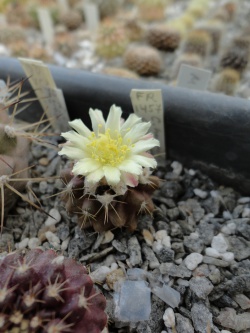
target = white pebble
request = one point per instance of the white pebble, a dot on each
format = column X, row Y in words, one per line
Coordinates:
column 212, row 252
column 183, row 282
column 58, row 260
column 194, row 235
column 225, row 331
column 34, row 242
column 166, row 242
column 201, row 194
column 160, row 234
column 169, row 318
column 244, row 200
column 219, row 243
column 178, row 261
column 227, row 256
column 51, row 237
column 177, row 167
column 192, row 172
column 65, row 244
column 54, row 217
column 157, row 246
column 246, row 212
column 227, row 215
column 23, row 244
column 193, row 260
column 108, row 237
column 99, row 275
column 229, row 229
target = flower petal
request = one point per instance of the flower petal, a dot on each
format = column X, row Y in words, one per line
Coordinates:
column 79, row 126
column 112, row 174
column 73, row 153
column 97, row 120
column 130, row 179
column 129, row 123
column 130, row 166
column 75, row 139
column 95, row 176
column 137, row 132
column 142, row 146
column 113, row 120
column 147, row 162
column 85, row 166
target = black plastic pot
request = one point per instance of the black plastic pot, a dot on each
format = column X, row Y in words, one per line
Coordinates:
column 203, row 130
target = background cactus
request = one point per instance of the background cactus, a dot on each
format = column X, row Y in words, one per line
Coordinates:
column 226, row 81
column 43, row 292
column 198, row 42
column 163, row 37
column 144, row 60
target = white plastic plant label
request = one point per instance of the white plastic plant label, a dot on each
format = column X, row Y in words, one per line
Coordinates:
column 149, row 106
column 92, row 16
column 193, row 77
column 49, row 96
column 46, row 25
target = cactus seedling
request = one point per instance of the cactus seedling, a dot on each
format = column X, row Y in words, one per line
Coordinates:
column 163, row 37
column 110, row 184
column 43, row 292
column 144, row 60
column 111, row 41
column 198, row 42
column 226, row 81
column 152, row 10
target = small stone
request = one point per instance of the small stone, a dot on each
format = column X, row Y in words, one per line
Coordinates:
column 148, row 237
column 177, row 168
column 212, row 252
column 240, row 247
column 34, row 242
column 193, row 260
column 115, row 276
column 119, row 246
column 199, row 193
column 165, row 255
column 134, row 250
column 244, row 200
column 229, row 229
column 215, row 261
column 43, row 230
column 160, row 234
column 54, row 217
column 174, row 270
column 169, row 318
column 65, row 244
column 43, row 185
column 201, row 317
column 243, row 301
column 246, row 212
column 150, row 256
column 183, row 324
column 215, row 276
column 201, row 286
column 23, row 244
column 108, row 237
column 219, row 243
column 52, row 238
column 43, row 161
column 100, row 274
column 227, row 256
column 168, row 295
column 225, row 331
column 229, row 319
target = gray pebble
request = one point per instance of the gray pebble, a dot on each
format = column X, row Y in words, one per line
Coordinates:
column 165, row 255
column 183, row 324
column 176, row 271
column 201, row 317
column 201, row 286
column 239, row 246
column 134, row 250
column 215, row 262
column 150, row 256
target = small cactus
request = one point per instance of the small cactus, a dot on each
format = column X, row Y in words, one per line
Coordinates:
column 108, row 7
column 11, row 34
column 163, row 37
column 198, row 42
column 215, row 29
column 111, row 41
column 144, row 60
column 152, row 10
column 226, row 81
column 71, row 19
column 43, row 292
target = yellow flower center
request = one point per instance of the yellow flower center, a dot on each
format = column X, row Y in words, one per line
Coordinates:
column 108, row 150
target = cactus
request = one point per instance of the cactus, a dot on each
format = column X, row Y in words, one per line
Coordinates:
column 144, row 60
column 110, row 184
column 71, row 19
column 108, row 7
column 198, row 42
column 43, row 292
column 152, row 10
column 11, row 34
column 226, row 81
column 111, row 40
column 215, row 29
column 163, row 37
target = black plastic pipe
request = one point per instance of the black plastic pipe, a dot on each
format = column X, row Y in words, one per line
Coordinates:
column 205, row 130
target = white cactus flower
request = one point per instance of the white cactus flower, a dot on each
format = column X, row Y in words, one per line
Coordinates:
column 116, row 150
